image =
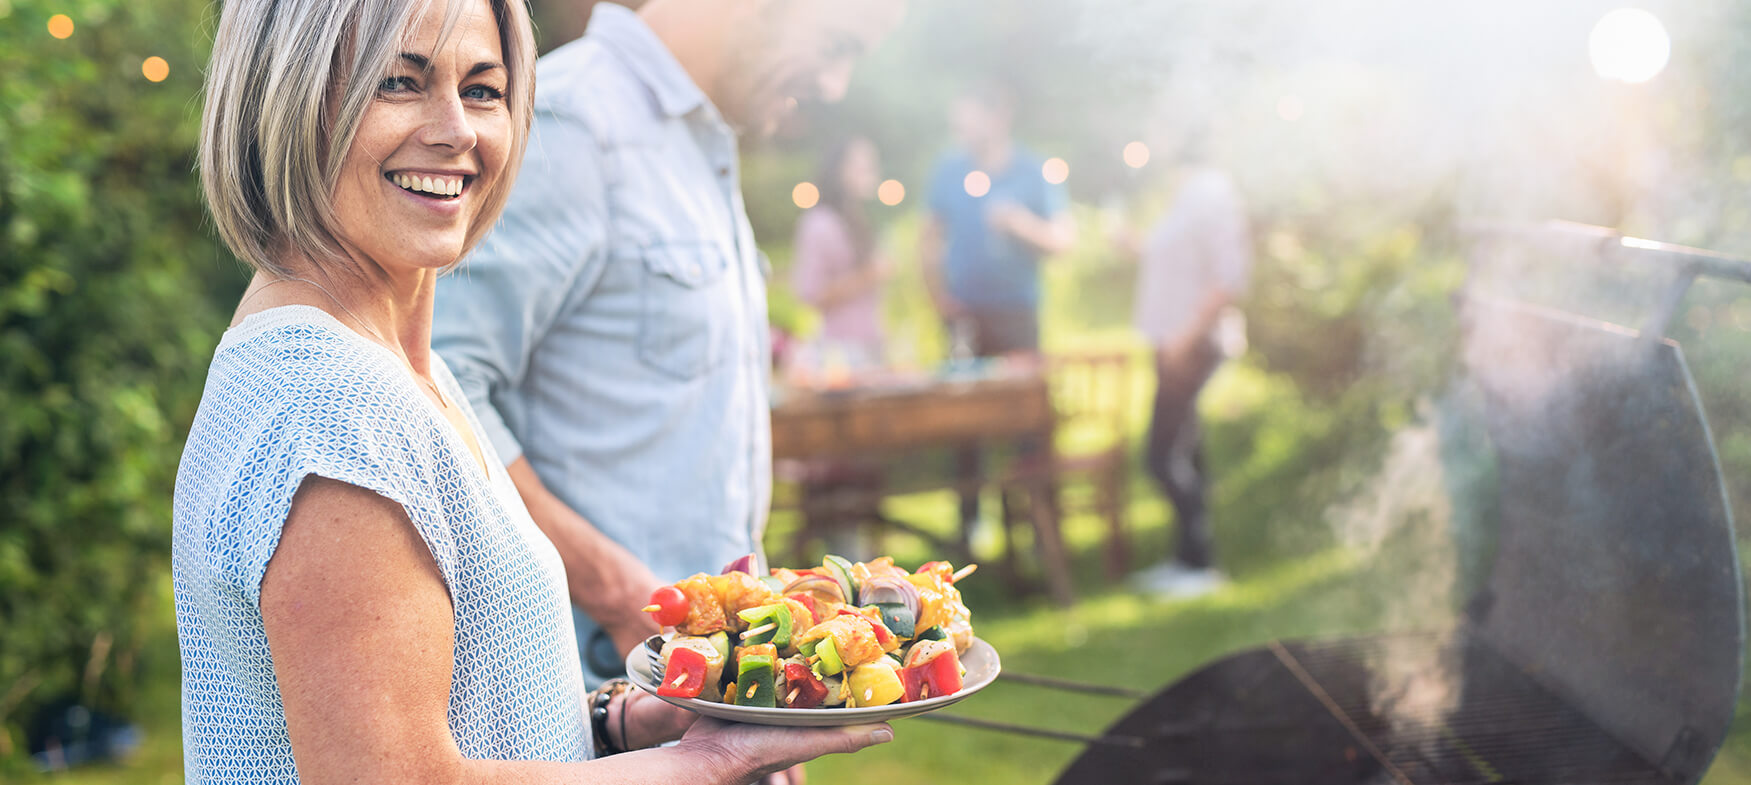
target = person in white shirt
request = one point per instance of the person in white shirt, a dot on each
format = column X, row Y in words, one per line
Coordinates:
column 1193, row 266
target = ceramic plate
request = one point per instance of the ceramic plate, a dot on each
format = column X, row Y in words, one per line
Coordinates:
column 980, row 660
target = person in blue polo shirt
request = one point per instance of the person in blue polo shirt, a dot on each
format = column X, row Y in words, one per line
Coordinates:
column 993, row 218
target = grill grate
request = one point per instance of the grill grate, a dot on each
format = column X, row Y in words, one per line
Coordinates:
column 1416, row 709
column 1452, row 711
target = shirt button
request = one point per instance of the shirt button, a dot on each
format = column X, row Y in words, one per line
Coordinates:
column 723, row 171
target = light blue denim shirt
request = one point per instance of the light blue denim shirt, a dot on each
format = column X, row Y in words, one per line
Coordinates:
column 612, row 328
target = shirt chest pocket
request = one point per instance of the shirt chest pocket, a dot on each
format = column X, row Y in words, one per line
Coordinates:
column 686, row 309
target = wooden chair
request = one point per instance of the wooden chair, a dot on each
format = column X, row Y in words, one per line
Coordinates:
column 1091, row 398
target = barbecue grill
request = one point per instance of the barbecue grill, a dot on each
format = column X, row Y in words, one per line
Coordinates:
column 1603, row 647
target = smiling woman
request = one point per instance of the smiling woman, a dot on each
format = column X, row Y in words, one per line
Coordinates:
column 360, row 592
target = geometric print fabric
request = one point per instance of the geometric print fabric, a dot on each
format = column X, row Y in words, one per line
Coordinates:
column 292, row 392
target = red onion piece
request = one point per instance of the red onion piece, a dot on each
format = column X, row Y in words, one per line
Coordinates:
column 887, row 588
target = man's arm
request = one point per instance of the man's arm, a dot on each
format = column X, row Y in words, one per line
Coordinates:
column 606, row 580
column 493, row 313
column 1045, row 236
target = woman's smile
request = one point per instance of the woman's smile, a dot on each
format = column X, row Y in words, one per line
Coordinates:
column 442, row 186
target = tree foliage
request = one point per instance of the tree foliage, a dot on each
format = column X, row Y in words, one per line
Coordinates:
column 109, row 287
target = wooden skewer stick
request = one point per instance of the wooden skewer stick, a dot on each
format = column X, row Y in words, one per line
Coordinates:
column 767, row 627
column 963, row 572
column 923, row 691
column 678, row 679
column 652, row 608
column 791, row 698
column 751, row 689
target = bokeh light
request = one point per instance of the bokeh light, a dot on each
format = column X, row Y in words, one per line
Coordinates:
column 155, row 69
column 1055, row 170
column 1629, row 45
column 805, row 195
column 61, row 26
column 1290, row 108
column 977, row 184
column 1136, row 155
column 891, row 192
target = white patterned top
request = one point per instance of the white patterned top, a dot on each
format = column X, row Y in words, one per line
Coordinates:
column 292, row 392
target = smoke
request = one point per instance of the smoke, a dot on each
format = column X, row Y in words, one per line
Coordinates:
column 1374, row 105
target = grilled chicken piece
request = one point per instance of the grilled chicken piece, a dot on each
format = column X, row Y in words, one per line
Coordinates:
column 705, row 612
column 942, row 606
column 739, row 591
column 852, row 636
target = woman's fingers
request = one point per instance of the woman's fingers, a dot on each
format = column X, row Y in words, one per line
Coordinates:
column 764, row 749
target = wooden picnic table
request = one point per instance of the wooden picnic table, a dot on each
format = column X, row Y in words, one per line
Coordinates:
column 895, row 418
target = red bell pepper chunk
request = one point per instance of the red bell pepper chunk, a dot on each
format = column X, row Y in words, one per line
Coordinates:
column 808, row 601
column 684, row 676
column 934, row 679
column 801, row 689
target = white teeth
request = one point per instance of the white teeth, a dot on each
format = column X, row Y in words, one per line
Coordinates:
column 437, row 186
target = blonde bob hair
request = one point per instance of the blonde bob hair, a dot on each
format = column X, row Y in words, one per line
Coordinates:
column 287, row 86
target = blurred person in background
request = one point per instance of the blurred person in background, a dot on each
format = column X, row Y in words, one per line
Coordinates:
column 612, row 330
column 361, row 595
column 993, row 218
column 1193, row 266
column 837, row 268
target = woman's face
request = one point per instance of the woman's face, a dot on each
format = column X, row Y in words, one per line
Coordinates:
column 861, row 169
column 431, row 145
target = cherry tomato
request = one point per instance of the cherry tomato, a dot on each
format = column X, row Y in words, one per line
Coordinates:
column 671, row 606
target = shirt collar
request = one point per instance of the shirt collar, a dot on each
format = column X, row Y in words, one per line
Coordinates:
column 621, row 30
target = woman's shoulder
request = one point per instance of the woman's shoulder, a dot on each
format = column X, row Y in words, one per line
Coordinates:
column 291, row 396
column 296, row 378
column 302, row 353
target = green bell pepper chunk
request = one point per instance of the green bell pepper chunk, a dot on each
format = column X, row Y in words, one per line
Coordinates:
column 827, row 657
column 754, row 681
column 777, row 615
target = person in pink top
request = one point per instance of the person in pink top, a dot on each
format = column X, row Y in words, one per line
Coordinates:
column 837, row 269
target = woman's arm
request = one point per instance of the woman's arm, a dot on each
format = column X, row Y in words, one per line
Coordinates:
column 361, row 630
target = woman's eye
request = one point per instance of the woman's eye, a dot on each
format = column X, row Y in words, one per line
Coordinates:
column 482, row 92
column 395, row 84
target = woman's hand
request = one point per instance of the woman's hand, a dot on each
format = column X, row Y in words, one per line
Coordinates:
column 754, row 751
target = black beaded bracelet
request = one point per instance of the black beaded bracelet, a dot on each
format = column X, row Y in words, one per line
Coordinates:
column 599, row 700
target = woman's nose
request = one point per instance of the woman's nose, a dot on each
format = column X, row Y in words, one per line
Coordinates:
column 447, row 124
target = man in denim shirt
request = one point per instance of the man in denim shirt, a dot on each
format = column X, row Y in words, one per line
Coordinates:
column 611, row 333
